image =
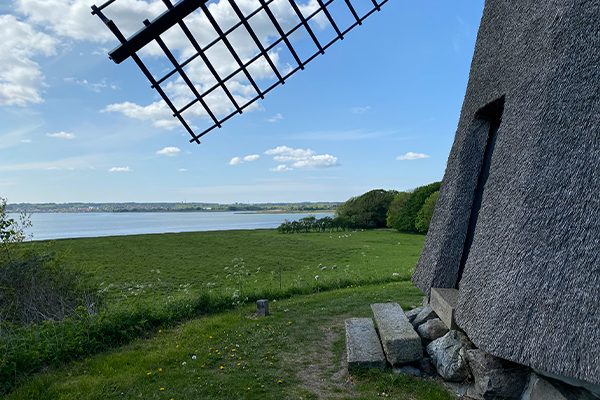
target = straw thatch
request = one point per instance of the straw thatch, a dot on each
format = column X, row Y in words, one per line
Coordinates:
column 530, row 291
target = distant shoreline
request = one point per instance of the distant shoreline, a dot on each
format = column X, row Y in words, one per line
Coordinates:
column 86, row 208
column 316, row 211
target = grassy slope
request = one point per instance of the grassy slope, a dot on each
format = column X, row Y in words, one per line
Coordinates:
column 132, row 268
column 294, row 354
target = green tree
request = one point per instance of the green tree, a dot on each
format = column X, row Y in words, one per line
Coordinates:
column 405, row 221
column 368, row 210
column 12, row 231
column 396, row 207
column 424, row 215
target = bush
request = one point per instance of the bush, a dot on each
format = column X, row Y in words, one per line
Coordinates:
column 368, row 210
column 425, row 213
column 312, row 224
column 36, row 288
column 407, row 215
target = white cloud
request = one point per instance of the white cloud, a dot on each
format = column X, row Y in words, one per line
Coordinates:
column 119, row 169
column 21, row 79
column 281, row 168
column 61, row 135
column 235, row 161
column 71, row 163
column 182, row 170
column 169, row 151
column 412, row 156
column 96, row 87
column 157, row 112
column 251, row 157
column 245, row 159
column 275, row 118
column 26, row 140
column 360, row 110
column 301, row 158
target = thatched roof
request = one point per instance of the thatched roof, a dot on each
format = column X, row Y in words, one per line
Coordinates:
column 530, row 290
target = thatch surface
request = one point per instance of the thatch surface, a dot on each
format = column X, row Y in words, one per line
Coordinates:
column 530, row 291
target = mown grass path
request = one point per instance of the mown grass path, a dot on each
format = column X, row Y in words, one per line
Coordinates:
column 297, row 353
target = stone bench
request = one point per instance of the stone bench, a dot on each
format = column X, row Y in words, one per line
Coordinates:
column 362, row 345
column 400, row 341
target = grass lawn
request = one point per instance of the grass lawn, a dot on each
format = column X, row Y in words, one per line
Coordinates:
column 297, row 353
column 165, row 266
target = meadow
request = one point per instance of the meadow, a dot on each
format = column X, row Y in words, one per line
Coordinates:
column 175, row 319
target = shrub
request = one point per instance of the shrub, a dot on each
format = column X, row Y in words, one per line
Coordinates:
column 424, row 215
column 36, row 288
column 405, row 221
column 368, row 210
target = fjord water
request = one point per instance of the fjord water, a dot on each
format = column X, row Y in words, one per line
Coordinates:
column 73, row 225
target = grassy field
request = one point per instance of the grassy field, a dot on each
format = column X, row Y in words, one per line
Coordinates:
column 169, row 297
column 166, row 266
column 297, row 353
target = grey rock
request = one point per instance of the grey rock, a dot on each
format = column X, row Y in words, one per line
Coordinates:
column 411, row 314
column 363, row 348
column 494, row 377
column 432, row 329
column 408, row 370
column 425, row 315
column 400, row 341
column 448, row 354
column 427, row 367
column 262, row 308
column 539, row 388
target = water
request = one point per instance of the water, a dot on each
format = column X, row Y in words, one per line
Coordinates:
column 75, row 225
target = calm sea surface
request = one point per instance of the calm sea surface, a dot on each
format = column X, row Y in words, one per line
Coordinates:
column 74, row 225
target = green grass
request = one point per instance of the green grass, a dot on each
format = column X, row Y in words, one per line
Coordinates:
column 158, row 281
column 297, row 353
column 164, row 266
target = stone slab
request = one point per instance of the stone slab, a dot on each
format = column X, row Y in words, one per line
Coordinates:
column 363, row 348
column 443, row 301
column 400, row 341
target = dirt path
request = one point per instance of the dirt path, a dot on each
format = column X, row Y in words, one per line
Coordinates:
column 323, row 372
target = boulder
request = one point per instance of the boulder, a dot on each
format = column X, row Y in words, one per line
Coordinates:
column 426, row 367
column 495, row 378
column 540, row 388
column 448, row 354
column 424, row 315
column 432, row 329
column 411, row 314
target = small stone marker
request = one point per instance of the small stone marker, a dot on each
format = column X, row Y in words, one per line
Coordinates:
column 262, row 308
column 362, row 345
column 400, row 341
column 443, row 301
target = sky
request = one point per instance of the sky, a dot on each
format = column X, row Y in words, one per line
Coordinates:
column 378, row 110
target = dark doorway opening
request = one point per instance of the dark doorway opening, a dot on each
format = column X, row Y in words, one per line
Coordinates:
column 487, row 119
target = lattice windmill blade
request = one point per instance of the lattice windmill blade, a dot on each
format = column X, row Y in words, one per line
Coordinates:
column 225, row 55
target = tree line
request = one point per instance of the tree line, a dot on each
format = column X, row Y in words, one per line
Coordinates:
column 404, row 211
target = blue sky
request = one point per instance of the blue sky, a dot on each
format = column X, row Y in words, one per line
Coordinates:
column 378, row 110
